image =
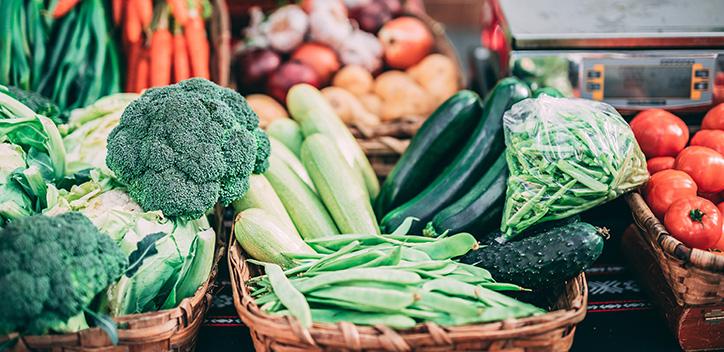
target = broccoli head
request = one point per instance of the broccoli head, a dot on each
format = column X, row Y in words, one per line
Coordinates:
column 39, row 104
column 51, row 269
column 183, row 147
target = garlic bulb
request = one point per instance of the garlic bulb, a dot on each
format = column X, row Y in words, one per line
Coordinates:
column 286, row 27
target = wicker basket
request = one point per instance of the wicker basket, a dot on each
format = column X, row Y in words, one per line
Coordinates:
column 696, row 276
column 385, row 143
column 167, row 330
column 549, row 332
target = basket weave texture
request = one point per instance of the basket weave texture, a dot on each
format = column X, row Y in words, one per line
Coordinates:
column 696, row 276
column 553, row 331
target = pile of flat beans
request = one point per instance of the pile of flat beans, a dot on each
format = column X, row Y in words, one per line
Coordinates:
column 393, row 280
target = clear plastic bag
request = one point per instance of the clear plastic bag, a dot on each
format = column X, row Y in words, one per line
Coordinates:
column 566, row 156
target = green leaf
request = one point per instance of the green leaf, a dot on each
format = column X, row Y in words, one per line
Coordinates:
column 144, row 249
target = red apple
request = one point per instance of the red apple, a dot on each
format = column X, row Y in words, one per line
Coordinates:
column 319, row 57
column 288, row 75
column 406, row 41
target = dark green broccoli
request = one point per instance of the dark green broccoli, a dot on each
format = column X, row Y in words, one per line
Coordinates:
column 183, row 147
column 39, row 104
column 51, row 269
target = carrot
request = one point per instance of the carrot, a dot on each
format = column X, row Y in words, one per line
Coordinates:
column 179, row 9
column 180, row 58
column 145, row 12
column 117, row 11
column 63, row 7
column 197, row 45
column 161, row 51
column 142, row 71
column 134, row 55
column 132, row 27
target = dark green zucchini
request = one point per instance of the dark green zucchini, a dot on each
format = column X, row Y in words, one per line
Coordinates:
column 476, row 156
column 443, row 134
column 477, row 211
column 550, row 91
column 547, row 258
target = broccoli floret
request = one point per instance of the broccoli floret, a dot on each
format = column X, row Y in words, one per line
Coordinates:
column 51, row 269
column 183, row 147
column 39, row 104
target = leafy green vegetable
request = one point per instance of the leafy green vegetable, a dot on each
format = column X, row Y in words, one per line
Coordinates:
column 566, row 156
column 183, row 147
column 38, row 103
column 51, row 269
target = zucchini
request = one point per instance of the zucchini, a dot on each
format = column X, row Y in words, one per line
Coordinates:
column 478, row 210
column 345, row 198
column 265, row 240
column 547, row 258
column 480, row 151
column 308, row 214
column 308, row 107
column 281, row 151
column 288, row 132
column 261, row 195
column 443, row 134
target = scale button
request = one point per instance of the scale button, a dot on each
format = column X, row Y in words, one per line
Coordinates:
column 594, row 74
column 593, row 86
column 701, row 85
column 701, row 73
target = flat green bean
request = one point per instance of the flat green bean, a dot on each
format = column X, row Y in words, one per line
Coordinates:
column 449, row 247
column 289, row 296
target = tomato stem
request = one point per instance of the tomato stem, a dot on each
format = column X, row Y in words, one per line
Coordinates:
column 696, row 215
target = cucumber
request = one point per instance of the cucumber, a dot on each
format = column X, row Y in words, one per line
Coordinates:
column 345, row 198
column 480, row 151
column 545, row 259
column 442, row 135
column 281, row 151
column 478, row 210
column 261, row 195
column 308, row 214
column 288, row 132
column 314, row 114
column 264, row 239
column 550, row 91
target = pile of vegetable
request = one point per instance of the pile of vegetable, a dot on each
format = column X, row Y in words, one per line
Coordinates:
column 112, row 220
column 686, row 188
column 62, row 49
column 323, row 42
column 164, row 41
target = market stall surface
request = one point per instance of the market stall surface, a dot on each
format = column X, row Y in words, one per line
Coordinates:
column 620, row 315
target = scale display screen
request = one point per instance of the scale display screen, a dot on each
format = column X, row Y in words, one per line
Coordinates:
column 638, row 81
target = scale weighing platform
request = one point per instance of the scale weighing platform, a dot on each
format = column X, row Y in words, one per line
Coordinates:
column 632, row 54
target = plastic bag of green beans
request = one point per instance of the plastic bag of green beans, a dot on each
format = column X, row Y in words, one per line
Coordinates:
column 566, row 156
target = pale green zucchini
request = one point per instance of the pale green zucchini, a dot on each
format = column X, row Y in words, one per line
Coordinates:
column 261, row 195
column 288, row 132
column 282, row 152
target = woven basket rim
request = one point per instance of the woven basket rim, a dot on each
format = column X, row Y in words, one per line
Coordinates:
column 186, row 315
column 258, row 320
column 673, row 249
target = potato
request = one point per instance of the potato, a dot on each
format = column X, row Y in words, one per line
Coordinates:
column 348, row 107
column 354, row 79
column 371, row 103
column 437, row 74
column 267, row 108
column 401, row 96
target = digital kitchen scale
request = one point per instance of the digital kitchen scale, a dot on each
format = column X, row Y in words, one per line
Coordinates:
column 632, row 54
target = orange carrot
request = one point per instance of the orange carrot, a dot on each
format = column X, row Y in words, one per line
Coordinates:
column 179, row 9
column 132, row 27
column 142, row 71
column 117, row 11
column 180, row 58
column 197, row 45
column 161, row 46
column 134, row 52
column 63, row 7
column 145, row 12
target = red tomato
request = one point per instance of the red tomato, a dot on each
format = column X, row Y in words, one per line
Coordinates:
column 714, row 119
column 704, row 165
column 321, row 58
column 659, row 163
column 694, row 221
column 713, row 139
column 720, row 245
column 659, row 133
column 667, row 186
column 406, row 41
